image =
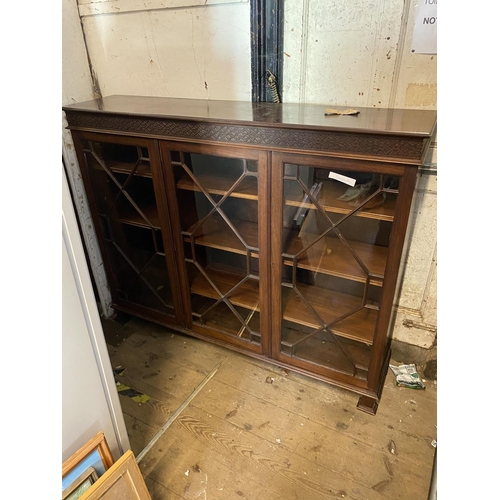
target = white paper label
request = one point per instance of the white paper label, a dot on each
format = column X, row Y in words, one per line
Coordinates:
column 425, row 32
column 342, row 178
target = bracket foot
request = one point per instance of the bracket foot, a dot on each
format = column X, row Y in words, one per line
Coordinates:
column 368, row 405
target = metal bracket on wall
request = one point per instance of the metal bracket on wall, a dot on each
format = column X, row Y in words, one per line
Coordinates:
column 266, row 28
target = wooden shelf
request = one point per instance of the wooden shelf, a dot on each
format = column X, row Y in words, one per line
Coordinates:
column 225, row 278
column 246, row 189
column 246, row 296
column 121, row 167
column 328, row 353
column 330, row 305
column 330, row 191
column 222, row 319
column 334, row 258
column 215, row 233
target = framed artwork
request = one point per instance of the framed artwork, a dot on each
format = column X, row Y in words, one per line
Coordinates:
column 123, row 480
column 80, row 485
column 85, row 466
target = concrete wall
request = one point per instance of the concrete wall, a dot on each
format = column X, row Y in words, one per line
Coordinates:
column 77, row 86
column 175, row 48
column 356, row 53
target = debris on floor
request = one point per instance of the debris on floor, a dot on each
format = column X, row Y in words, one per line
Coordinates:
column 392, row 447
column 231, row 413
column 269, row 380
column 118, row 370
column 407, row 376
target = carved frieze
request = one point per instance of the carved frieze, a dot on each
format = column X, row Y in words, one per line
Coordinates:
column 370, row 145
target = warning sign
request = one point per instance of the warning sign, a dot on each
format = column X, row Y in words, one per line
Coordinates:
column 425, row 32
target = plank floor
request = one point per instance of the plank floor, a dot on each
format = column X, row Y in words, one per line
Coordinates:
column 244, row 438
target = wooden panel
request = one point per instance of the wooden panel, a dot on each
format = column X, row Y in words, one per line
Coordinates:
column 381, row 341
column 123, row 481
column 414, row 123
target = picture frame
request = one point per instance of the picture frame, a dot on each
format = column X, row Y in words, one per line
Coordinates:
column 85, row 466
column 124, row 480
column 80, row 485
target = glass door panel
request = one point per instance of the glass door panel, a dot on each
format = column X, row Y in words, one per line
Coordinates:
column 121, row 182
column 218, row 208
column 336, row 232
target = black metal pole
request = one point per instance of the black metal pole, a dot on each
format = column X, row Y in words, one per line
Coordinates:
column 266, row 40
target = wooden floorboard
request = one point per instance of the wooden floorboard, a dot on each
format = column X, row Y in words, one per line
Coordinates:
column 278, row 472
column 140, row 433
column 244, row 437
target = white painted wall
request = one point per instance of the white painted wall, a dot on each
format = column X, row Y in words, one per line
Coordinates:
column 89, row 398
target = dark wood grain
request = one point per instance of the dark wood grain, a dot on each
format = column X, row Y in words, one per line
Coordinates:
column 416, row 123
column 400, row 135
column 381, row 342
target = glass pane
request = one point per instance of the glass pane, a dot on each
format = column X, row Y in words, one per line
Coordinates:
column 336, row 232
column 120, row 176
column 218, row 209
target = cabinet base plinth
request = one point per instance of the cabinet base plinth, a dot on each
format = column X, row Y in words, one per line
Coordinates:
column 368, row 405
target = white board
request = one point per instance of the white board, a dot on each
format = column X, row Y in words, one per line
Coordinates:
column 425, row 32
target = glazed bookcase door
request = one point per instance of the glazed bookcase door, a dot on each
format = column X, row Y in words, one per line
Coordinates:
column 331, row 237
column 133, row 233
column 220, row 195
